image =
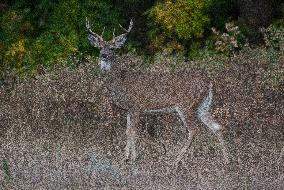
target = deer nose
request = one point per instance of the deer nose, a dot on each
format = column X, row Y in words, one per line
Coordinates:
column 104, row 56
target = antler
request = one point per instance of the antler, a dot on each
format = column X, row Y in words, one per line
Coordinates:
column 88, row 26
column 97, row 40
column 119, row 40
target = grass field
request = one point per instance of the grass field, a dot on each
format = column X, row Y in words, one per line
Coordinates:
column 58, row 131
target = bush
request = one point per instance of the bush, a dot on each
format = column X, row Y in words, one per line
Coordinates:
column 230, row 41
column 43, row 33
column 274, row 70
column 220, row 12
column 274, row 37
column 172, row 21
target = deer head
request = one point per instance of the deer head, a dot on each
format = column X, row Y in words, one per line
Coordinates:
column 107, row 47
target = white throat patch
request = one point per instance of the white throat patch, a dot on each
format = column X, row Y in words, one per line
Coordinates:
column 105, row 66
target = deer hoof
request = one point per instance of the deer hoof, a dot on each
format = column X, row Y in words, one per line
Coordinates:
column 126, row 161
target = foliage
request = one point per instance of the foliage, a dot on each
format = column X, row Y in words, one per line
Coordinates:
column 221, row 12
column 176, row 20
column 184, row 18
column 274, row 37
column 35, row 35
column 274, row 42
column 6, row 170
column 15, row 53
column 58, row 33
column 230, row 41
column 198, row 50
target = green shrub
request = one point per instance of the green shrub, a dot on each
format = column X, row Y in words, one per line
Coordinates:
column 42, row 33
column 274, row 37
column 172, row 21
column 230, row 41
column 220, row 12
column 274, row 70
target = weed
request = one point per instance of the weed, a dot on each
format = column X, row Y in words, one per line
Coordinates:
column 6, row 169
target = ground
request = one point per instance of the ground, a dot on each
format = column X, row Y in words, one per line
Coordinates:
column 58, row 131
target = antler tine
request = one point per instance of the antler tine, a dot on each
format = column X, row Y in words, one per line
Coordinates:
column 130, row 25
column 129, row 28
column 87, row 24
column 103, row 32
column 123, row 28
column 113, row 33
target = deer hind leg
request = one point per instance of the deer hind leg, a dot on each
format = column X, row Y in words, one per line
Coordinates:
column 204, row 115
column 185, row 118
column 132, row 120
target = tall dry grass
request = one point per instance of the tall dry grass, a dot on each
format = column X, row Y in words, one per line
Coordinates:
column 59, row 131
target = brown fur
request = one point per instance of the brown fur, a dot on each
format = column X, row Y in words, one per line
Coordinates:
column 149, row 91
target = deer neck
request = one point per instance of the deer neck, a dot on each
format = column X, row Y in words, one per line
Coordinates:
column 114, row 83
column 113, row 79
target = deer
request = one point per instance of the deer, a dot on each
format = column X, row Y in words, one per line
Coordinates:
column 187, row 94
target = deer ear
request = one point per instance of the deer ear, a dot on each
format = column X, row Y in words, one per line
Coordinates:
column 118, row 41
column 95, row 40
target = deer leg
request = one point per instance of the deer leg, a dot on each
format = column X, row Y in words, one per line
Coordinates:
column 223, row 146
column 191, row 134
column 204, row 115
column 132, row 119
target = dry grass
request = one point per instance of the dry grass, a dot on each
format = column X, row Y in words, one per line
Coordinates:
column 58, row 131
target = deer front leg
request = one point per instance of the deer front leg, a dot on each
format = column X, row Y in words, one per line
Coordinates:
column 132, row 120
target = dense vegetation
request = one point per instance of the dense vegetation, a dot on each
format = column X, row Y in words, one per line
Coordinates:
column 35, row 35
column 57, row 125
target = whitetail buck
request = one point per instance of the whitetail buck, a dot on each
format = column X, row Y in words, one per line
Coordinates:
column 186, row 93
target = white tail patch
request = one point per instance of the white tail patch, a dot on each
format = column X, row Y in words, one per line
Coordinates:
column 204, row 114
column 105, row 66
